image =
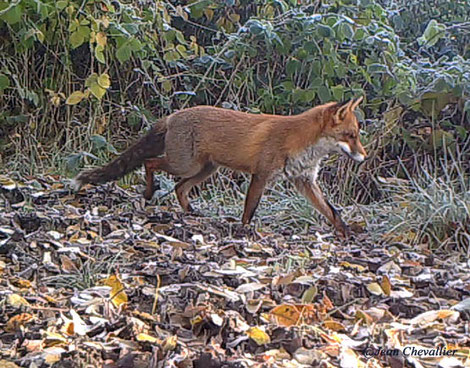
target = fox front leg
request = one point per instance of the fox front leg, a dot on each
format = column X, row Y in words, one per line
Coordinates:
column 313, row 193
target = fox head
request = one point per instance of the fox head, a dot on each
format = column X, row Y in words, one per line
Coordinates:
column 343, row 129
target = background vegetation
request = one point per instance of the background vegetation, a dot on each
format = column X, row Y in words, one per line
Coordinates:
column 80, row 79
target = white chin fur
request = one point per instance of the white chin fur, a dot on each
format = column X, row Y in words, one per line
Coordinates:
column 344, row 147
column 357, row 157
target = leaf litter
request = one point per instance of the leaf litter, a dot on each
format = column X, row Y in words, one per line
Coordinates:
column 100, row 278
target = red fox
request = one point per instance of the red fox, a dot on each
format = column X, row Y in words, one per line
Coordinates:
column 194, row 142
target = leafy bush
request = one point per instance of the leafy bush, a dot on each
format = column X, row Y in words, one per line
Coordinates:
column 75, row 75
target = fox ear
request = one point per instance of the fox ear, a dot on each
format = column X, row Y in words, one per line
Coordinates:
column 356, row 103
column 341, row 112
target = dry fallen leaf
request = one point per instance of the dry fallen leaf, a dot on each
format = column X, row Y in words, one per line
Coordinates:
column 386, row 285
column 375, row 288
column 117, row 293
column 15, row 322
column 16, row 300
column 258, row 335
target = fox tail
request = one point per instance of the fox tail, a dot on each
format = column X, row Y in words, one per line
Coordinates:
column 150, row 145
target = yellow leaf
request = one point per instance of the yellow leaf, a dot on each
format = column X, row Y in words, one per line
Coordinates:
column 209, row 13
column 234, row 17
column 54, row 339
column 167, row 86
column 170, row 343
column 75, row 98
column 357, row 267
column 55, row 100
column 375, row 288
column 105, row 21
column 104, row 81
column 258, row 336
column 101, row 39
column 16, row 300
column 21, row 283
column 117, row 294
column 147, row 338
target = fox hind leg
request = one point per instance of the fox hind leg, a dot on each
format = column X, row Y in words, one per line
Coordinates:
column 184, row 186
column 152, row 165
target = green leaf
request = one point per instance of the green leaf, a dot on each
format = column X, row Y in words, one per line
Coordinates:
column 99, row 54
column 166, row 85
column 13, row 15
column 92, row 83
column 466, row 108
column 98, row 141
column 308, row 96
column 256, row 27
column 171, row 56
column 182, row 50
column 60, row 5
column 75, row 98
column 135, row 44
column 434, row 32
column 338, row 92
column 4, row 82
column 73, row 161
column 297, row 95
column 76, row 39
column 325, row 31
column 292, row 66
column 347, row 30
column 324, row 94
column 124, row 53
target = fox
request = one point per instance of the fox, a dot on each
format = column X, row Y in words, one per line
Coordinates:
column 194, row 142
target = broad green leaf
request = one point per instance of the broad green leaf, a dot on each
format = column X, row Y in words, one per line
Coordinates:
column 308, row 96
column 324, row 94
column 325, row 31
column 182, row 50
column 99, row 54
column 4, row 82
column 60, row 5
column 434, row 32
column 124, row 53
column 166, row 85
column 292, row 66
column 338, row 92
column 13, row 15
column 75, row 98
column 76, row 39
column 347, row 30
column 97, row 91
column 94, row 86
column 98, row 141
column 135, row 44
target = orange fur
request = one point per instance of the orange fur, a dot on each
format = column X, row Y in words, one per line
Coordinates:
column 197, row 140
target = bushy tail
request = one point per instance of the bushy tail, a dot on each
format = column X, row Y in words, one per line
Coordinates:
column 150, row 145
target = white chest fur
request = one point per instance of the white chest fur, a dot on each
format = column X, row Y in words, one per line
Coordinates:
column 307, row 163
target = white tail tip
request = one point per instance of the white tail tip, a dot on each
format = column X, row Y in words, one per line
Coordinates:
column 76, row 184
